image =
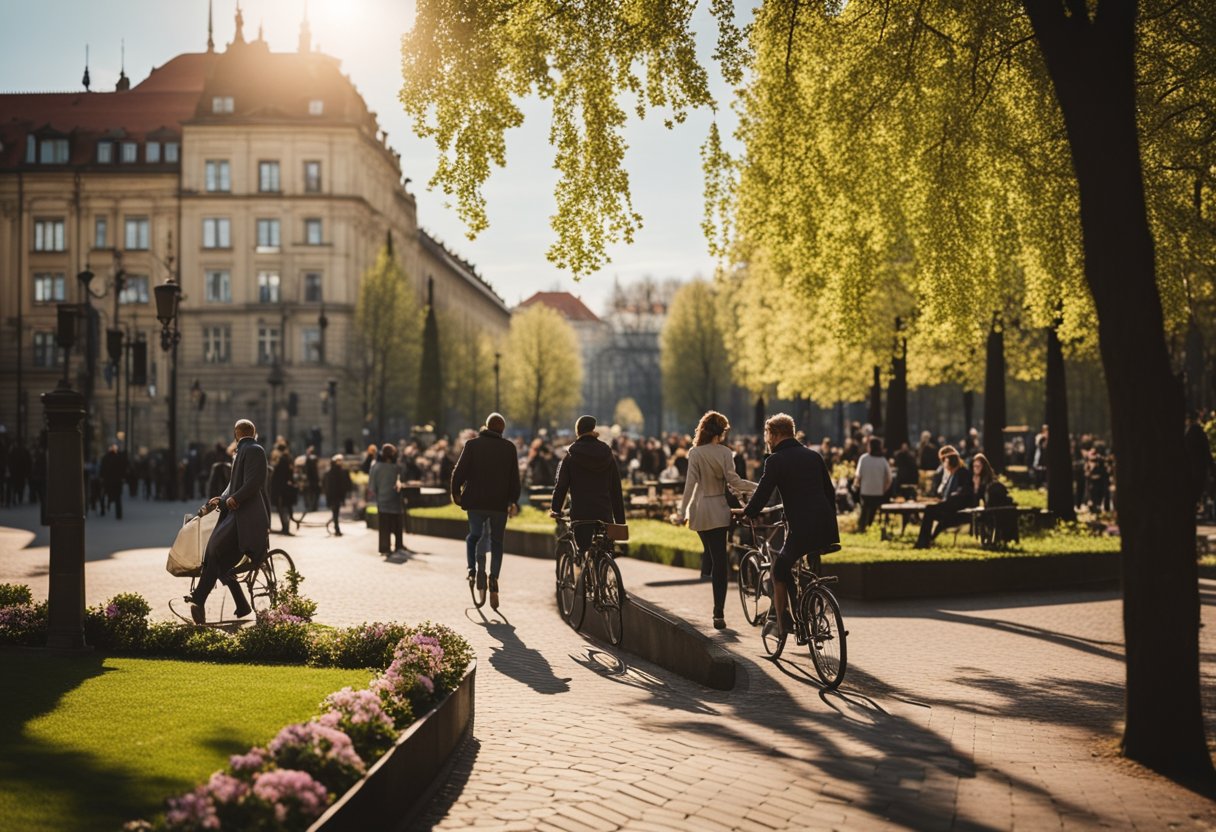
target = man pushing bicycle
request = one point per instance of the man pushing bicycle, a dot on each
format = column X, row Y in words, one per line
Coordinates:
column 809, row 497
column 589, row 475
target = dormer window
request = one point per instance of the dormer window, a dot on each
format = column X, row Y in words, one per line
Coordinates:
column 152, row 152
column 221, row 104
column 171, row 152
column 130, row 152
column 316, row 107
column 53, row 151
column 105, row 152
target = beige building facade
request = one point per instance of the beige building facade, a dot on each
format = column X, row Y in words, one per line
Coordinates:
column 263, row 184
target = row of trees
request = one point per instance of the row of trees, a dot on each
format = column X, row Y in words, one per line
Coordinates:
column 1047, row 160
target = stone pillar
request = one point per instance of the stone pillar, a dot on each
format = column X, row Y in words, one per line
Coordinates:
column 64, row 512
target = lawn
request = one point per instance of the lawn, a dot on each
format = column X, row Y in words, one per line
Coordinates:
column 92, row 742
column 664, row 543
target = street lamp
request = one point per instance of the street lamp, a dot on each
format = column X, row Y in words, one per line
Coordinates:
column 168, row 296
column 323, row 324
column 497, row 386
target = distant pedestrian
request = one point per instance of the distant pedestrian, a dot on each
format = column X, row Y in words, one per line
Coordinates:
column 1199, row 463
column 312, row 480
column 336, row 484
column 873, row 482
column 957, row 492
column 282, row 485
column 221, row 471
column 711, row 471
column 113, row 472
column 485, row 483
column 384, row 484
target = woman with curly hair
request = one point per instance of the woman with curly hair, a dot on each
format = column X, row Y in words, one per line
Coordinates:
column 711, row 469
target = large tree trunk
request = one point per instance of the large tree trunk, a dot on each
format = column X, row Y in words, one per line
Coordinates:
column 897, row 401
column 1092, row 65
column 875, row 414
column 994, row 398
column 1059, row 455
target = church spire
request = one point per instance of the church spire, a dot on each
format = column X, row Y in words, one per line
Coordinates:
column 210, row 29
column 124, row 83
column 239, row 37
column 86, row 80
column 305, row 32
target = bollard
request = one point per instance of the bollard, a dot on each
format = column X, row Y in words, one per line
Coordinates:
column 64, row 513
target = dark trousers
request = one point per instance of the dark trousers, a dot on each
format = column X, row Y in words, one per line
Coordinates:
column 114, row 493
column 285, row 514
column 869, row 507
column 714, row 543
column 483, row 525
column 583, row 536
column 940, row 514
column 336, row 509
column 223, row 553
column 390, row 524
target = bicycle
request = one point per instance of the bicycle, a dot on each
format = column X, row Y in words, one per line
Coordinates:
column 261, row 584
column 593, row 575
column 818, row 623
column 756, row 560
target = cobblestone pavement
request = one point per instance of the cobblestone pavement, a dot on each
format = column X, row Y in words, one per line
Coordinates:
column 999, row 712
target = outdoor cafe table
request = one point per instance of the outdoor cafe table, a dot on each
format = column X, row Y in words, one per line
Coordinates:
column 908, row 512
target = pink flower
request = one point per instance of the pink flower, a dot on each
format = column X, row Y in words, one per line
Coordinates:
column 427, row 683
column 285, row 788
column 112, row 611
column 193, row 810
column 324, row 741
column 225, row 788
column 255, row 760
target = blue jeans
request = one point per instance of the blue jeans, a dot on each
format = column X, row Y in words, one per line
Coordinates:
column 484, row 524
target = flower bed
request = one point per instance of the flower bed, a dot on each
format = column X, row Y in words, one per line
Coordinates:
column 292, row 780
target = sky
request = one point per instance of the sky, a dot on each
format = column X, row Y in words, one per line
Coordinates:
column 42, row 49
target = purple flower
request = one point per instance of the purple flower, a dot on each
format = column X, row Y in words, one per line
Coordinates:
column 285, row 789
column 323, row 741
column 112, row 610
column 193, row 810
column 225, row 788
column 255, row 760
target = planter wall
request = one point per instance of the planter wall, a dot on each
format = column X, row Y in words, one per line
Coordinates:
column 402, row 782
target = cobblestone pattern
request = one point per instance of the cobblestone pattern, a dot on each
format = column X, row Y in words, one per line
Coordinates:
column 981, row 713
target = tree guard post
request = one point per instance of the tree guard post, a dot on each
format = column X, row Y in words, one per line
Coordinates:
column 64, row 514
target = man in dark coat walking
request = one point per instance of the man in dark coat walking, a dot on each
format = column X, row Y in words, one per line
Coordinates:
column 1199, row 463
column 113, row 472
column 244, row 526
column 590, row 476
column 485, row 483
column 809, row 500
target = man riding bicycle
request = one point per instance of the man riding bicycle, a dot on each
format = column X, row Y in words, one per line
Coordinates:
column 589, row 475
column 809, row 498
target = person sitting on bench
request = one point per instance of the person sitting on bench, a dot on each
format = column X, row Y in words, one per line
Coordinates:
column 958, row 492
column 244, row 526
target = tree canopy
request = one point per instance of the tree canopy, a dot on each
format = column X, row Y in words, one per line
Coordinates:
column 387, row 321
column 695, row 365
column 543, row 368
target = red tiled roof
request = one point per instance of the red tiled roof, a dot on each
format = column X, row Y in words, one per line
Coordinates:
column 569, row 306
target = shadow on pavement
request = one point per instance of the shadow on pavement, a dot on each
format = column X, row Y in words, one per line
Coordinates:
column 614, row 666
column 453, row 786
column 517, row 661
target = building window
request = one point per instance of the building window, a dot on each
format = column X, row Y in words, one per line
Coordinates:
column 268, row 235
column 218, row 176
column 31, row 150
column 268, row 344
column 49, row 288
column 171, row 152
column 217, row 232
column 222, row 104
column 137, row 234
column 312, row 287
column 217, row 344
column 101, row 237
column 49, row 236
column 268, row 177
column 152, row 152
column 268, row 287
column 105, row 152
column 134, row 289
column 316, row 107
column 130, row 152
column 312, row 177
column 312, row 232
column 219, row 286
column 312, row 344
column 46, row 351
column 53, row 151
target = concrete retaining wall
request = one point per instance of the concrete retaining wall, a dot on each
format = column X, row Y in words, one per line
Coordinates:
column 402, row 782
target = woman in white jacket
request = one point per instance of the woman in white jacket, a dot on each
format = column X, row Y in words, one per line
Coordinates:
column 711, row 470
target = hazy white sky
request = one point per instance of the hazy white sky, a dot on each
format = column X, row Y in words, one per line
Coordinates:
column 42, row 49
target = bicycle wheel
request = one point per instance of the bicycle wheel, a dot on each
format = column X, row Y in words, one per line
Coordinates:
column 565, row 581
column 578, row 603
column 264, row 581
column 611, row 599
column 825, row 626
column 749, row 586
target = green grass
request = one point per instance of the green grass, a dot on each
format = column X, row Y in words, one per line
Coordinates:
column 91, row 742
column 661, row 542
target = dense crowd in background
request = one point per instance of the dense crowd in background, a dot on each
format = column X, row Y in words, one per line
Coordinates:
column 428, row 460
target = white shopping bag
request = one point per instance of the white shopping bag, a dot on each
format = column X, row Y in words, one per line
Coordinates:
column 186, row 554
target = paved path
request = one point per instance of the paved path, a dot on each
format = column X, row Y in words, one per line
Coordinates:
column 990, row 713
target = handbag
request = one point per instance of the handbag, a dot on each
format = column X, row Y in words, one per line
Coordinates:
column 186, row 553
column 617, row 532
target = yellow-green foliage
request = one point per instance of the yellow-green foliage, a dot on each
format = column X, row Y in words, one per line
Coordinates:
column 695, row 366
column 543, row 378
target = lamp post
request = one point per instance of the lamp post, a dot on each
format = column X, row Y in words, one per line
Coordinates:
column 275, row 380
column 323, row 324
column 497, row 385
column 168, row 296
column 333, row 412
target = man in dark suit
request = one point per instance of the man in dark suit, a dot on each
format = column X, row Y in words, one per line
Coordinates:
column 809, row 499
column 957, row 493
column 244, row 526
